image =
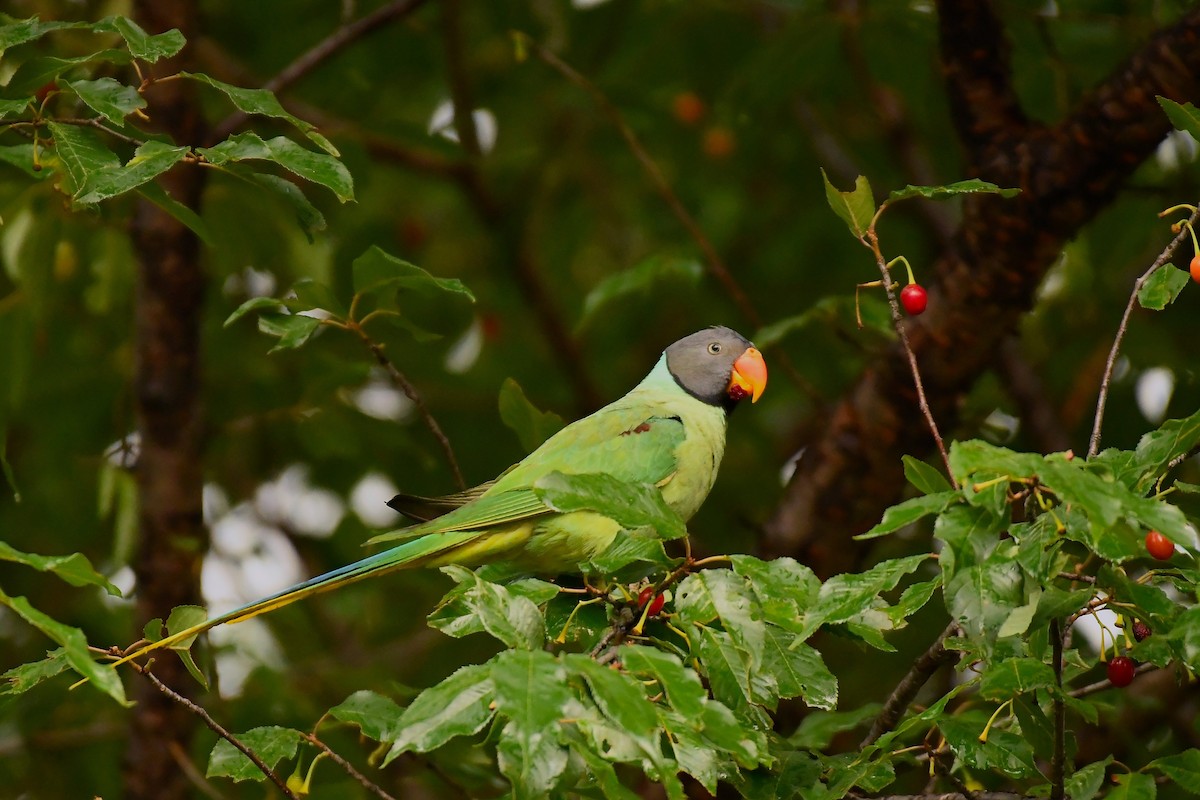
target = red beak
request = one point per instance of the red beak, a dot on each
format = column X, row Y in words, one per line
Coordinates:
column 749, row 377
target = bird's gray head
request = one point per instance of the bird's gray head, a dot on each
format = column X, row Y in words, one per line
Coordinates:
column 717, row 366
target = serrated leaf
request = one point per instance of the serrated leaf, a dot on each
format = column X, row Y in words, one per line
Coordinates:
column 1162, row 287
column 270, row 743
column 264, row 103
column 799, row 670
column 926, row 478
column 632, row 554
column 36, row 72
column 378, row 717
column 532, row 425
column 149, row 161
column 75, row 568
column 319, row 168
column 253, row 304
column 189, row 218
column 308, row 217
column 112, row 100
column 818, row 729
column 1086, row 781
column 141, row 44
column 1012, row 676
column 21, row 679
column 458, row 706
column 844, row 597
column 970, row 186
column 856, row 208
column 782, row 587
column 1004, row 750
column 21, row 157
column 1183, row 768
column 293, row 330
column 74, row 644
column 1132, row 786
column 713, row 595
column 1157, row 449
column 377, row 269
column 684, row 691
column 906, row 513
column 425, row 306
column 731, row 673
column 17, row 107
column 532, row 692
column 630, row 505
column 27, row 30
column 81, row 152
column 477, row 605
column 1185, row 117
column 982, row 596
column 653, row 275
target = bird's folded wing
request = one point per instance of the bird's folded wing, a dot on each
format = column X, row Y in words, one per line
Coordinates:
column 423, row 509
column 487, row 511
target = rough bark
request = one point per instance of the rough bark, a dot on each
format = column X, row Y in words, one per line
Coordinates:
column 987, row 279
column 170, row 288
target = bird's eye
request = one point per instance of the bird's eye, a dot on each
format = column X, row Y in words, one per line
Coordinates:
column 714, row 348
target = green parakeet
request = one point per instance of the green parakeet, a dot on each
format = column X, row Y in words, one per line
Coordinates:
column 668, row 431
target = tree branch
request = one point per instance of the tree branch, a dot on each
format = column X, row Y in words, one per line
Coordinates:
column 349, row 768
column 902, row 696
column 217, row 729
column 332, row 44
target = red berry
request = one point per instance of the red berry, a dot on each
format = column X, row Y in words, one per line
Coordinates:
column 914, row 298
column 718, row 143
column 688, row 108
column 1159, row 546
column 1121, row 670
column 44, row 92
column 1195, row 268
column 656, row 604
column 1141, row 630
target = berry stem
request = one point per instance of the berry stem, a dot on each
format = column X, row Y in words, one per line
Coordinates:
column 1192, row 231
column 907, row 267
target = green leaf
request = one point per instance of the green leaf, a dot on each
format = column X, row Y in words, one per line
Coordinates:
column 1004, row 750
column 621, row 697
column 141, row 44
column 818, row 729
column 312, row 294
column 1183, row 768
column 1086, row 781
column 856, row 208
column 149, row 161
column 970, row 186
column 631, row 553
column 458, row 706
column 158, row 195
column 1157, row 449
column 293, row 330
column 82, row 153
column 1184, row 117
column 713, row 595
column 844, row 597
column 982, row 596
column 782, row 587
column 75, row 569
column 378, row 717
column 531, row 425
column 1162, row 287
column 308, row 217
column 36, row 72
column 476, row 605
column 265, row 103
column 927, row 479
column 112, row 100
column 1132, row 786
column 682, row 686
column 425, row 306
column 654, row 275
column 631, row 505
column 906, row 513
column 1012, row 676
column 21, row 157
column 253, row 304
column 731, row 673
column 913, row 599
column 75, row 645
column 799, row 670
column 270, row 743
column 28, row 30
column 10, row 108
column 21, row 679
column 532, row 692
column 319, row 168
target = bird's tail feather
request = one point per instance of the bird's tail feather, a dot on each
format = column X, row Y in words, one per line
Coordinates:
column 408, row 554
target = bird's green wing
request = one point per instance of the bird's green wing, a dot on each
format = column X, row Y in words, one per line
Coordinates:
column 423, row 509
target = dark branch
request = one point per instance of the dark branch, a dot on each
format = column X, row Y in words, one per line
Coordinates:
column 349, row 768
column 902, row 696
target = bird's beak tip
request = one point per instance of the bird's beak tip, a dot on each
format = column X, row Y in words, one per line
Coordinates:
column 749, row 375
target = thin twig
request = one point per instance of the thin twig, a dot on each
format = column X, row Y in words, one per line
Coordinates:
column 716, row 265
column 1058, row 756
column 322, row 51
column 1163, row 257
column 1100, row 686
column 349, row 768
column 922, row 670
column 871, row 240
column 217, row 729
